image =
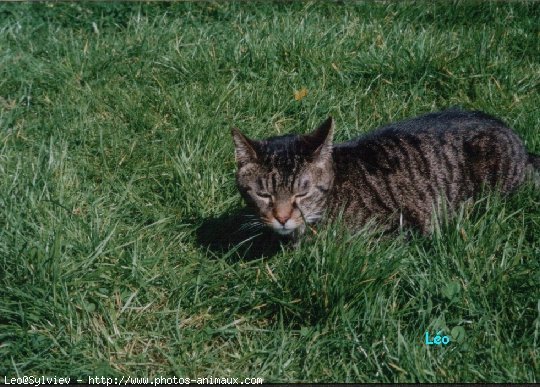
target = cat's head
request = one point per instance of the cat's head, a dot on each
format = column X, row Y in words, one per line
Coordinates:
column 286, row 179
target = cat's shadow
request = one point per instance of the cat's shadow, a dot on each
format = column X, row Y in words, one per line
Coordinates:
column 227, row 236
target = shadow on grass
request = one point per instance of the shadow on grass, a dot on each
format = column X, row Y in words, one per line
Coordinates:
column 224, row 235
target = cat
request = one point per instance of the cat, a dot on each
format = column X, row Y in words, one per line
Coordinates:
column 397, row 175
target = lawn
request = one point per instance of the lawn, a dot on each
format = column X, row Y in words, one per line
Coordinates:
column 121, row 248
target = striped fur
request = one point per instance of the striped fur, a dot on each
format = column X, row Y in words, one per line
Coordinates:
column 396, row 175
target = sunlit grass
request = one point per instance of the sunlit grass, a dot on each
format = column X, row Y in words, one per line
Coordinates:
column 119, row 245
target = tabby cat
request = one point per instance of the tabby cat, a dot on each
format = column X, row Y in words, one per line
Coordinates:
column 396, row 175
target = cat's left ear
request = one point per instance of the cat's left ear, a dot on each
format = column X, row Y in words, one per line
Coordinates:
column 322, row 138
column 244, row 148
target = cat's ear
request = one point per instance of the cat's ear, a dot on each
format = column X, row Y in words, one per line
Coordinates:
column 322, row 139
column 244, row 149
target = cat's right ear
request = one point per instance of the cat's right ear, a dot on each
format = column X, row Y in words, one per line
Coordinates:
column 244, row 149
column 322, row 139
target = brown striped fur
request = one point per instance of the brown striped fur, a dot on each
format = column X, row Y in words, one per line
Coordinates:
column 396, row 175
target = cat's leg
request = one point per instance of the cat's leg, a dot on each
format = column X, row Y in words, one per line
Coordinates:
column 417, row 219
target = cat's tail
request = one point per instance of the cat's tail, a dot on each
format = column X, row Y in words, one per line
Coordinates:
column 534, row 162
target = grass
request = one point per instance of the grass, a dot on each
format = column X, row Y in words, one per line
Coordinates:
column 119, row 253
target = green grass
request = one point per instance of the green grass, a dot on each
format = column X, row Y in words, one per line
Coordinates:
column 118, row 254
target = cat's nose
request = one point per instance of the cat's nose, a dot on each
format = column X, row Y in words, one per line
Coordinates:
column 282, row 218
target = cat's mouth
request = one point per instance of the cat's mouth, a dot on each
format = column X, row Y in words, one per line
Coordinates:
column 284, row 229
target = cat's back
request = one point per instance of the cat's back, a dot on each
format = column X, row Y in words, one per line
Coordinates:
column 407, row 165
column 450, row 134
column 451, row 122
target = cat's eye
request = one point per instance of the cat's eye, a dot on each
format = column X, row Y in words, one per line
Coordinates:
column 264, row 195
column 300, row 195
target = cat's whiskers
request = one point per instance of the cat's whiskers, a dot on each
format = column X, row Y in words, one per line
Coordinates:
column 313, row 217
column 307, row 221
column 253, row 224
column 251, row 228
